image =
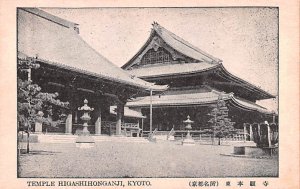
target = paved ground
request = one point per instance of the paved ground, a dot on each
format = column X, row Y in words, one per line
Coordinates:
column 113, row 159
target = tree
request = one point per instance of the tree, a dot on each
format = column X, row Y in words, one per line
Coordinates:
column 34, row 104
column 221, row 124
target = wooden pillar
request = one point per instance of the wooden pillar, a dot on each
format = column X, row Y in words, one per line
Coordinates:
column 258, row 130
column 110, row 130
column 138, row 134
column 98, row 123
column 269, row 134
column 76, row 117
column 71, row 92
column 68, row 129
column 251, row 133
column 274, row 117
column 120, row 112
column 245, row 132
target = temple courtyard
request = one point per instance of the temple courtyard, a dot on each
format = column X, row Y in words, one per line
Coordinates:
column 119, row 159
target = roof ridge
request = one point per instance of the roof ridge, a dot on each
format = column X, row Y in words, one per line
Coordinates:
column 135, row 79
column 158, row 29
column 70, row 51
column 50, row 17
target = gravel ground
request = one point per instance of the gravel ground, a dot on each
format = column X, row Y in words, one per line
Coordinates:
column 115, row 159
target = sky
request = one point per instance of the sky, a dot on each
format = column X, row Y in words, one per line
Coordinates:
column 245, row 39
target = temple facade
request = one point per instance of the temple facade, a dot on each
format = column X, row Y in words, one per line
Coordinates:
column 196, row 81
column 167, row 80
column 73, row 69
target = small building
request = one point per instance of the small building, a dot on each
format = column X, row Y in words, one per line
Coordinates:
column 196, row 80
column 69, row 66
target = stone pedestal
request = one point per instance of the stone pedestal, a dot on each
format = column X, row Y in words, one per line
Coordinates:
column 253, row 151
column 188, row 141
column 239, row 150
column 85, row 141
column 38, row 127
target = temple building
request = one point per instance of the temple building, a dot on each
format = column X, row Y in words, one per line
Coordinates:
column 73, row 69
column 196, row 81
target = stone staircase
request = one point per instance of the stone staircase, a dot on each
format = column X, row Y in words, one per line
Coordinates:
column 120, row 139
column 102, row 138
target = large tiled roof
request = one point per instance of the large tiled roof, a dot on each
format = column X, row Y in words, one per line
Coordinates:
column 206, row 62
column 51, row 18
column 39, row 36
column 176, row 43
column 203, row 98
column 192, row 68
column 183, row 46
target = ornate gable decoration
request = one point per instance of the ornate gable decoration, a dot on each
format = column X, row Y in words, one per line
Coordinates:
column 156, row 55
column 158, row 52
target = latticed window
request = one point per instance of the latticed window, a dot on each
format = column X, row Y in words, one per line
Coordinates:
column 155, row 57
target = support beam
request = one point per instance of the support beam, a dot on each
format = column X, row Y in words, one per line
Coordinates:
column 76, row 117
column 245, row 132
column 120, row 113
column 56, row 84
column 251, row 133
column 98, row 124
column 142, row 126
column 138, row 133
column 68, row 129
column 269, row 135
column 258, row 128
column 71, row 98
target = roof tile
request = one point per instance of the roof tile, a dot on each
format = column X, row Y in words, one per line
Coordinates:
column 40, row 37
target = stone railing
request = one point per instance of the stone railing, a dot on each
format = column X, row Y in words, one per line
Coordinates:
column 130, row 126
column 196, row 135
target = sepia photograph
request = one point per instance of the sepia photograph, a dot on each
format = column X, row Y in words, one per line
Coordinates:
column 147, row 92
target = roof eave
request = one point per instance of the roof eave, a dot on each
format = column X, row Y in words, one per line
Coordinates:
column 250, row 86
column 261, row 109
column 176, row 74
column 63, row 66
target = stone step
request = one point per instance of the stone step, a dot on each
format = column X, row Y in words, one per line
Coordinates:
column 72, row 139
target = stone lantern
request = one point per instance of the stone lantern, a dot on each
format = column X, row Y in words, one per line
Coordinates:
column 84, row 140
column 188, row 139
column 85, row 117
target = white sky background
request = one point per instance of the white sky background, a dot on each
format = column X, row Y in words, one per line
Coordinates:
column 244, row 38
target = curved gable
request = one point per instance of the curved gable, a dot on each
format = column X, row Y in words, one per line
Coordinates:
column 180, row 50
